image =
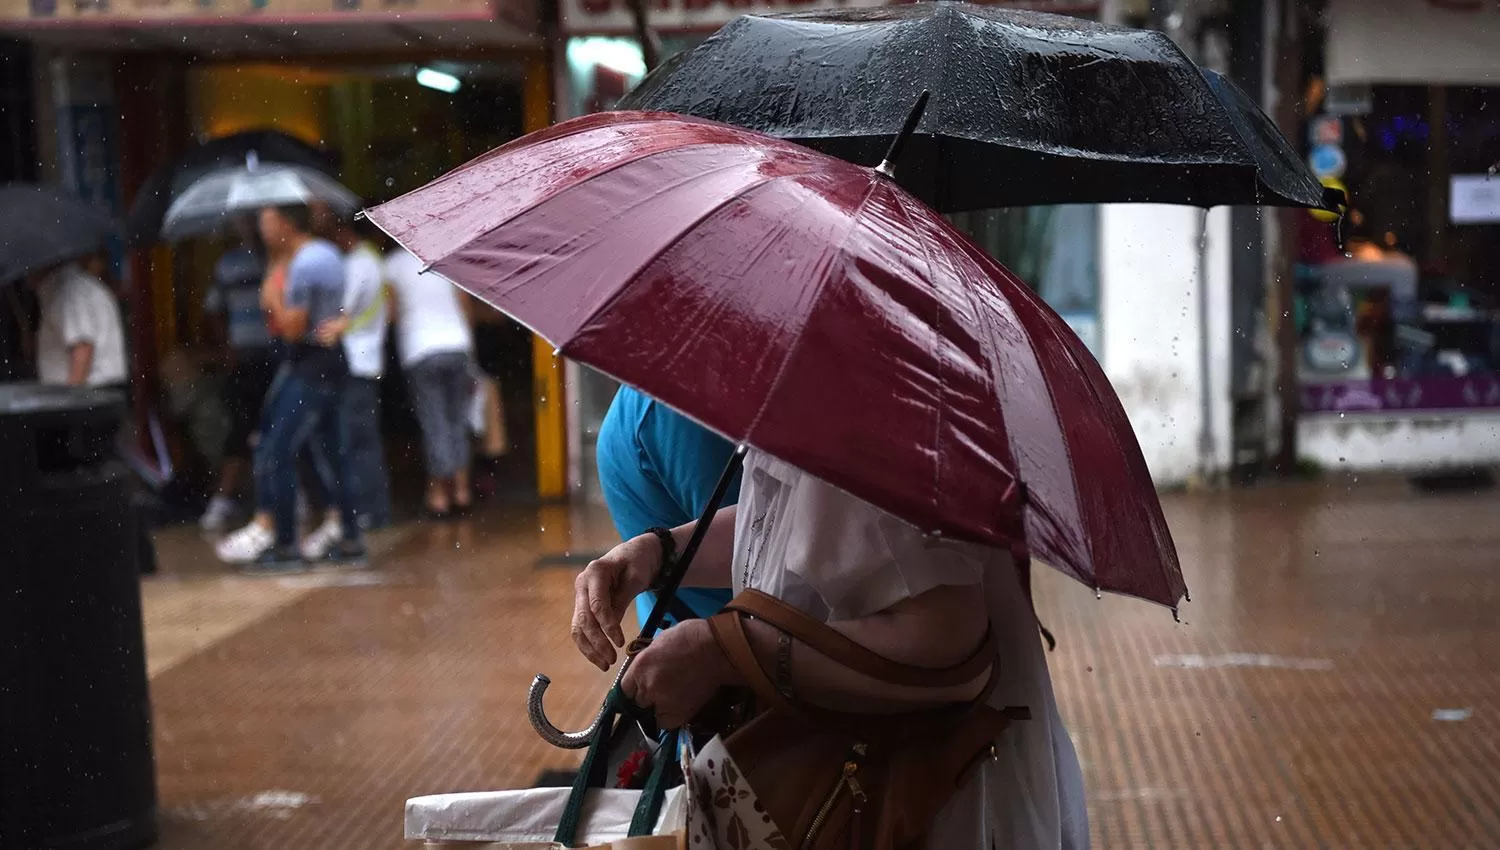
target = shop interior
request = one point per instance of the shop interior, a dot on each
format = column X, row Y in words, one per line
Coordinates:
column 1414, row 303
column 387, row 128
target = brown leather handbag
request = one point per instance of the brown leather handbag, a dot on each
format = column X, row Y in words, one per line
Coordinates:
column 840, row 781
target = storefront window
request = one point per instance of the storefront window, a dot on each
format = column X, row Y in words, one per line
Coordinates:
column 1407, row 321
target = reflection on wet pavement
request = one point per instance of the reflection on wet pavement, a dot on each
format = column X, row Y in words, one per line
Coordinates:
column 1333, row 684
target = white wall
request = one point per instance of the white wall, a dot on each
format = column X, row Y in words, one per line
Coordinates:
column 1148, row 267
column 1406, row 443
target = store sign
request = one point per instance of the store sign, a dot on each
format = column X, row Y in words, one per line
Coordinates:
column 1355, row 99
column 1413, row 42
column 145, row 11
column 583, row 17
column 1474, row 199
column 1478, row 392
column 1327, row 161
column 1326, row 130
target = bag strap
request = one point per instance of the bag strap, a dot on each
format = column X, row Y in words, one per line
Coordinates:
column 593, row 763
column 846, row 652
column 729, row 632
column 654, row 793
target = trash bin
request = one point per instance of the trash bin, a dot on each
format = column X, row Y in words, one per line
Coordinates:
column 76, row 765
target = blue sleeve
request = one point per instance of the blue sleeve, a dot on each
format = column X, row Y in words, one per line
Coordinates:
column 688, row 457
column 313, row 274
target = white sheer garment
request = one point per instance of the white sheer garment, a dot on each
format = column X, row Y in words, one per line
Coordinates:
column 836, row 557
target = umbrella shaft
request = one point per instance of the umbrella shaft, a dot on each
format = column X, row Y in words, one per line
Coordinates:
column 677, row 570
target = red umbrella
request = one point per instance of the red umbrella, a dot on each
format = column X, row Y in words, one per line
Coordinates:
column 812, row 309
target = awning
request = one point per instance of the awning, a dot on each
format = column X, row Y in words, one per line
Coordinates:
column 244, row 28
column 1413, row 42
column 613, row 17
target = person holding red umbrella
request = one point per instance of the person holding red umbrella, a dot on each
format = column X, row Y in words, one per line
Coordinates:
column 918, row 423
column 888, row 586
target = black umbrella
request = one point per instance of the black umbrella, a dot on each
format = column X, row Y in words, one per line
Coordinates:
column 144, row 222
column 41, row 227
column 1027, row 108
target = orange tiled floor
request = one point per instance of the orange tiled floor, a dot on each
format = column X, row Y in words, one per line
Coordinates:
column 1294, row 708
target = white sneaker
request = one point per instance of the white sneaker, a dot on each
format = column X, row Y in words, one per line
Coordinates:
column 216, row 517
column 315, row 546
column 247, row 545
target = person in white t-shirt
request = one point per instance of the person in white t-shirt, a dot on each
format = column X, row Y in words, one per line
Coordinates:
column 436, row 346
column 81, row 341
column 888, row 586
column 362, row 330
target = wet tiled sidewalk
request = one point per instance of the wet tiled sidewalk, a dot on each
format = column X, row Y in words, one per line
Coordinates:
column 1335, row 683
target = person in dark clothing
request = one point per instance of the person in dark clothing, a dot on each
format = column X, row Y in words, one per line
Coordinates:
column 250, row 348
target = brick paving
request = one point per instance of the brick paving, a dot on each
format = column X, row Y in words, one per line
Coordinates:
column 1335, row 683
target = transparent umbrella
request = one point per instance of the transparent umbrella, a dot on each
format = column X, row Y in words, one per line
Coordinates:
column 217, row 197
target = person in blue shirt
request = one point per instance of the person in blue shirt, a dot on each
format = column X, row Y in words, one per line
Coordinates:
column 658, row 469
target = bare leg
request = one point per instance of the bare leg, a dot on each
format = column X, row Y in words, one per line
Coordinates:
column 437, row 496
column 463, row 497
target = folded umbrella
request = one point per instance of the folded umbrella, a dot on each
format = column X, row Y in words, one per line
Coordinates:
column 213, row 199
column 41, row 227
column 143, row 223
column 1027, row 108
column 812, row 309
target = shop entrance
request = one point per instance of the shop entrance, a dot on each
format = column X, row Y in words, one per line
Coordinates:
column 387, row 127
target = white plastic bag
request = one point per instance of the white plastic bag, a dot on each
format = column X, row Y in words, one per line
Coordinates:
column 527, row 819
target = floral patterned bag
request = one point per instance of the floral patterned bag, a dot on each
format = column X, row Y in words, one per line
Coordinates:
column 722, row 810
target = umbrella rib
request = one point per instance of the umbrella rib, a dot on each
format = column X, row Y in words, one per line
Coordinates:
column 657, row 255
column 817, row 296
column 937, row 429
column 438, row 215
column 1066, row 447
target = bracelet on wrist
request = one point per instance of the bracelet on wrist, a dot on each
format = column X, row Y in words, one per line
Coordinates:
column 668, row 556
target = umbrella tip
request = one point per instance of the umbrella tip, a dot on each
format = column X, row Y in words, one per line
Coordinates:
column 887, row 166
column 1175, row 616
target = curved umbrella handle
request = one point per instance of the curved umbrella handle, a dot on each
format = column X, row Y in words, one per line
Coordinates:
column 572, row 740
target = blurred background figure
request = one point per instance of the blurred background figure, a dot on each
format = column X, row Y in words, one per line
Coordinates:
column 81, row 340
column 362, row 330
column 436, row 347
column 304, row 405
column 244, row 333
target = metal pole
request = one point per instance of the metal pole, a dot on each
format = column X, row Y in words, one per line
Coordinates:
column 1287, row 36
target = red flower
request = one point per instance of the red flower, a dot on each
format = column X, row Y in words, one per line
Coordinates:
column 626, row 776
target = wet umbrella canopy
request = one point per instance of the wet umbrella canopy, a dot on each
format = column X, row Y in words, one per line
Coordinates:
column 41, row 227
column 813, row 310
column 1027, row 108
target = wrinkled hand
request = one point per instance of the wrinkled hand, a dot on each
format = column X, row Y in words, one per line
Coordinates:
column 678, row 673
column 329, row 330
column 602, row 595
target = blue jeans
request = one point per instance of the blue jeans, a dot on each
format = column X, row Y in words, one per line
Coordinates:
column 306, row 405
